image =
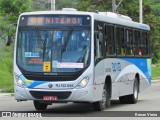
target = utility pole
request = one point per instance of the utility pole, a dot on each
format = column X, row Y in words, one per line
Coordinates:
column 115, row 6
column 140, row 12
column 53, row 4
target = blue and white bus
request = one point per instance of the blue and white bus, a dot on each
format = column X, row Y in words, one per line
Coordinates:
column 73, row 56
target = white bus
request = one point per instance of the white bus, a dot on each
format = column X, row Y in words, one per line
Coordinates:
column 73, row 56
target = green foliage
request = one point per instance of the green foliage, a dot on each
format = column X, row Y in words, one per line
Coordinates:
column 154, row 22
column 9, row 89
column 12, row 8
column 156, row 71
column 39, row 5
column 10, row 11
column 66, row 4
column 6, row 66
column 131, row 8
column 100, row 5
column 6, row 53
column 151, row 16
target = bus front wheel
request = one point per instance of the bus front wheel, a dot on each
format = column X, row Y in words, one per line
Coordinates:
column 39, row 106
column 101, row 105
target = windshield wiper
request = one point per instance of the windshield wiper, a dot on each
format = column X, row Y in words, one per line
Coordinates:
column 42, row 42
column 67, row 41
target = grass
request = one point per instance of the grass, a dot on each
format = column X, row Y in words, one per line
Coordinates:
column 6, row 66
column 155, row 71
column 8, row 89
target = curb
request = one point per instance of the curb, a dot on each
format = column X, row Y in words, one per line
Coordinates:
column 6, row 94
column 12, row 94
column 154, row 81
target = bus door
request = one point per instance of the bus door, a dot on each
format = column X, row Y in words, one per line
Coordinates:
column 99, row 64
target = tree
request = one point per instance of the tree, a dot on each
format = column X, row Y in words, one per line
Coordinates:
column 37, row 5
column 12, row 8
column 10, row 11
column 150, row 17
column 100, row 5
column 151, row 12
column 66, row 4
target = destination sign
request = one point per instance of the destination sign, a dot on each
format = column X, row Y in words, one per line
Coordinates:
column 55, row 20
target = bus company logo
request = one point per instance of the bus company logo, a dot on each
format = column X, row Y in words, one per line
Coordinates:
column 50, row 85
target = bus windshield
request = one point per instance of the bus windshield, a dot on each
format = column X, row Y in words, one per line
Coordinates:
column 53, row 50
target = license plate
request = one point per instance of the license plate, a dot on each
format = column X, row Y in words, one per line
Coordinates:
column 50, row 98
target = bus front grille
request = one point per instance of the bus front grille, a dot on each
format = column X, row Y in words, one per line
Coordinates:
column 41, row 94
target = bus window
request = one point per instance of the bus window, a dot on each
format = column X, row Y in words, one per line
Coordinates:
column 137, row 39
column 148, row 45
column 144, row 43
column 98, row 45
column 109, row 39
column 129, row 41
column 120, row 44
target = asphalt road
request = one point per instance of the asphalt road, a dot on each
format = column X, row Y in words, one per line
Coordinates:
column 149, row 102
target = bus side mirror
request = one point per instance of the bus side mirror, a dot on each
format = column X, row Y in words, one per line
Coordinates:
column 8, row 40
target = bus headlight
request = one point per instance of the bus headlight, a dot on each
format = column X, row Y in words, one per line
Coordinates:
column 19, row 81
column 83, row 82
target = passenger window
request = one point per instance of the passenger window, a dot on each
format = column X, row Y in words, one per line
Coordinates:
column 137, row 43
column 129, row 41
column 148, row 45
column 98, row 46
column 109, row 40
column 144, row 43
column 120, row 42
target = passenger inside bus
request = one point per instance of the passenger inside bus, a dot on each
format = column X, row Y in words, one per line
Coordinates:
column 139, row 51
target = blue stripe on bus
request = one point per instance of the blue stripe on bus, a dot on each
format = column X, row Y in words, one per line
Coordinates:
column 143, row 64
column 32, row 83
column 36, row 83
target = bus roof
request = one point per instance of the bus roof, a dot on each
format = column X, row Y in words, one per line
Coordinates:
column 108, row 17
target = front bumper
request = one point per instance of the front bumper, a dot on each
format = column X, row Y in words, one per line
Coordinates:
column 67, row 95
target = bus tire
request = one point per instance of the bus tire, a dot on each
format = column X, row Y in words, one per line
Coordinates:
column 133, row 98
column 123, row 99
column 40, row 106
column 101, row 105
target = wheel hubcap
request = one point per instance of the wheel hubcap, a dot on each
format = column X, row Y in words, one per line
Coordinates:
column 135, row 91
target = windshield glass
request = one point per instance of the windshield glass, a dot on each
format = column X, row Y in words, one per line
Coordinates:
column 48, row 50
